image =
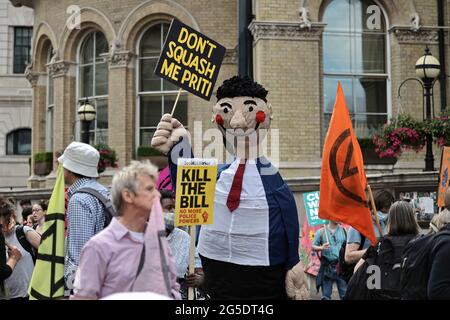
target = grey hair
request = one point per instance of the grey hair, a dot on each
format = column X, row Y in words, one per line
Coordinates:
column 443, row 219
column 127, row 179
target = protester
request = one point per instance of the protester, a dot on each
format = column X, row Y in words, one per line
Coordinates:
column 112, row 261
column 27, row 217
column 357, row 243
column 25, row 203
column 9, row 256
column 439, row 281
column 254, row 239
column 179, row 242
column 85, row 213
column 21, row 263
column 39, row 211
column 387, row 255
column 328, row 241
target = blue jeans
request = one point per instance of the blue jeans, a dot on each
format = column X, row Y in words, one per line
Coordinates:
column 327, row 287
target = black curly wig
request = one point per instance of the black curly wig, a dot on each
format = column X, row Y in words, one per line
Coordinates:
column 240, row 87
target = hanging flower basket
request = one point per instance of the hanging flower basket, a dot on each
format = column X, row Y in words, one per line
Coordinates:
column 439, row 128
column 108, row 157
column 402, row 133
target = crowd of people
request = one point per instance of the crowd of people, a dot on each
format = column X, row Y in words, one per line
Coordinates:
column 102, row 257
column 348, row 258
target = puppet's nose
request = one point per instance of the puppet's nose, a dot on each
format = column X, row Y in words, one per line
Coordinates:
column 238, row 121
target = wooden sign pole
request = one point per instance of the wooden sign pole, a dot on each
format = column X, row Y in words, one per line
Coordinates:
column 175, row 104
column 374, row 209
column 192, row 233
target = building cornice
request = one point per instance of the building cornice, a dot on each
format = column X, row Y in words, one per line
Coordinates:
column 59, row 68
column 279, row 30
column 423, row 35
column 119, row 59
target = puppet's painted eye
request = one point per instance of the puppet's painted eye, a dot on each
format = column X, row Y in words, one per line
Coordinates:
column 225, row 110
column 250, row 109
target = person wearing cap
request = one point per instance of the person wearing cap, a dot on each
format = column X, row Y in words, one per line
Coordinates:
column 85, row 213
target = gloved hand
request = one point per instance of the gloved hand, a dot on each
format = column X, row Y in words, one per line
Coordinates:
column 297, row 287
column 168, row 132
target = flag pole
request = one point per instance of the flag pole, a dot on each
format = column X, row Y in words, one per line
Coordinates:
column 175, row 104
column 374, row 209
column 192, row 230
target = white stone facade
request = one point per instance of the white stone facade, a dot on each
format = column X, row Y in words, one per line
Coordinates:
column 15, row 96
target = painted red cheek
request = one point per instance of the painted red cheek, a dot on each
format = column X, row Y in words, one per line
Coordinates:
column 219, row 120
column 260, row 116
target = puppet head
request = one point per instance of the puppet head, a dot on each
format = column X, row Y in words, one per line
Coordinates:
column 242, row 113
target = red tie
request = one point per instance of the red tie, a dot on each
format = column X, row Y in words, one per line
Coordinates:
column 234, row 197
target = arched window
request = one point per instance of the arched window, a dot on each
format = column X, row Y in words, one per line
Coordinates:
column 93, row 83
column 18, row 142
column 355, row 53
column 155, row 95
column 50, row 106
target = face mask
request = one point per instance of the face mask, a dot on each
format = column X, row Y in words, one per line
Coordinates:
column 169, row 220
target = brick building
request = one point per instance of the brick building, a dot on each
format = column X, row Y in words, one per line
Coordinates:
column 301, row 48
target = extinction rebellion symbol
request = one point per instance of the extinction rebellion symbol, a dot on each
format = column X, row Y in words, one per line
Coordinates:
column 347, row 172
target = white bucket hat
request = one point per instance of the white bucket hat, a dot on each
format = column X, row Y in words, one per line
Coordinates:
column 80, row 158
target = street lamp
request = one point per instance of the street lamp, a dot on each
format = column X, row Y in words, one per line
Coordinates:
column 427, row 69
column 86, row 114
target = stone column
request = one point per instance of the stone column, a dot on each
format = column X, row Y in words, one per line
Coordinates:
column 38, row 84
column 121, row 105
column 64, row 114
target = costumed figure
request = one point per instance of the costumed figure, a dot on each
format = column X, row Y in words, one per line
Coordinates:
column 254, row 239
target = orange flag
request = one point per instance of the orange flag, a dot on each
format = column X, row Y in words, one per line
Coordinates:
column 343, row 180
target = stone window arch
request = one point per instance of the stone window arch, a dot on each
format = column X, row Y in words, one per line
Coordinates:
column 356, row 53
column 18, row 142
column 155, row 95
column 93, row 82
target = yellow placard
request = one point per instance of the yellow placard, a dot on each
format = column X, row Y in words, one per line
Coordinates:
column 444, row 179
column 196, row 185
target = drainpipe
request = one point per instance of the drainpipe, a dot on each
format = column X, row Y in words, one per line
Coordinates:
column 442, row 74
column 245, row 41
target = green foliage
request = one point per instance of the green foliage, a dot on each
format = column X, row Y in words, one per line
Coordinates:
column 146, row 151
column 366, row 143
column 43, row 157
column 108, row 157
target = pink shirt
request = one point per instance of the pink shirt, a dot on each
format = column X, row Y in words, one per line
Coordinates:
column 109, row 262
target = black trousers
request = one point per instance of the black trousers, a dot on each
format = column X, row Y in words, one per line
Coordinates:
column 227, row 281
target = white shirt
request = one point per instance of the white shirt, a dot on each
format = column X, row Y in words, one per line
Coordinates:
column 18, row 282
column 241, row 236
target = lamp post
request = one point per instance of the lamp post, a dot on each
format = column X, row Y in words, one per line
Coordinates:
column 86, row 114
column 427, row 71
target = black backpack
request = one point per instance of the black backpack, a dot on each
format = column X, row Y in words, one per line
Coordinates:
column 416, row 265
column 106, row 202
column 344, row 269
column 387, row 255
column 20, row 234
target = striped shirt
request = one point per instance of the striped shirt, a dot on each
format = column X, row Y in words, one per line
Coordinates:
column 85, row 218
